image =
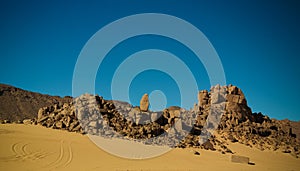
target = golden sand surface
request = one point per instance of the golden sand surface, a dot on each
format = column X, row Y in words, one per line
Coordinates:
column 31, row 147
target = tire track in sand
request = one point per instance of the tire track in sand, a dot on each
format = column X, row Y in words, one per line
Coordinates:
column 64, row 157
column 20, row 153
column 59, row 158
column 70, row 156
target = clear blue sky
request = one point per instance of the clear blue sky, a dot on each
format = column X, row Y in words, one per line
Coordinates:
column 258, row 43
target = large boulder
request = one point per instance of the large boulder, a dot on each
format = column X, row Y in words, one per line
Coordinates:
column 144, row 103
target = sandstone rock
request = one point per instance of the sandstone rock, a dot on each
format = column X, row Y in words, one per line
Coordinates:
column 144, row 103
column 59, row 116
column 208, row 146
column 73, row 125
column 42, row 119
column 235, row 95
column 18, row 122
column 154, row 117
column 6, row 121
column 41, row 112
column 232, row 139
column 77, row 129
column 195, row 108
column 59, row 125
column 233, row 98
column 27, row 121
column 203, row 98
column 174, row 113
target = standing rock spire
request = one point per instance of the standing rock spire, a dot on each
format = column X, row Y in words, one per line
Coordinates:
column 144, row 103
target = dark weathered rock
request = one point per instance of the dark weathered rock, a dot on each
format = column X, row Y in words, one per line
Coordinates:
column 196, row 153
column 17, row 104
column 208, row 146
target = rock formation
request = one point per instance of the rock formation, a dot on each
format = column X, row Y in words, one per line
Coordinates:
column 59, row 117
column 144, row 103
column 175, row 126
column 203, row 98
column 239, row 124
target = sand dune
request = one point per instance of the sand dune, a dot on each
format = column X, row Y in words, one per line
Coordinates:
column 29, row 147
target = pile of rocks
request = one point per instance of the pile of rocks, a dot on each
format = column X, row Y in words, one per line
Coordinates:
column 119, row 119
column 96, row 116
column 201, row 127
column 239, row 124
column 59, row 117
column 256, row 130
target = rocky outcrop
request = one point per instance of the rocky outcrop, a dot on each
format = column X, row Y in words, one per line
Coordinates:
column 144, row 103
column 96, row 116
column 174, row 126
column 239, row 124
column 59, row 117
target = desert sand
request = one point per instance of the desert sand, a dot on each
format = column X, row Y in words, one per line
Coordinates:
column 31, row 147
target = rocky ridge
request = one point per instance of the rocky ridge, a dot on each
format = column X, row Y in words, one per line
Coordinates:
column 174, row 126
column 17, row 104
column 239, row 124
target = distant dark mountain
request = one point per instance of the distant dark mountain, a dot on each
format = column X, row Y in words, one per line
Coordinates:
column 17, row 104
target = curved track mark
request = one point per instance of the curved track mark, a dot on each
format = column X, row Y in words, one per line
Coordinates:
column 59, row 158
column 70, row 156
column 20, row 153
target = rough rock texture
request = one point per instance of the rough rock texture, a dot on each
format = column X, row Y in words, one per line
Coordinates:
column 203, row 98
column 239, row 124
column 94, row 115
column 144, row 103
column 296, row 128
column 174, row 126
column 59, row 116
column 17, row 104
